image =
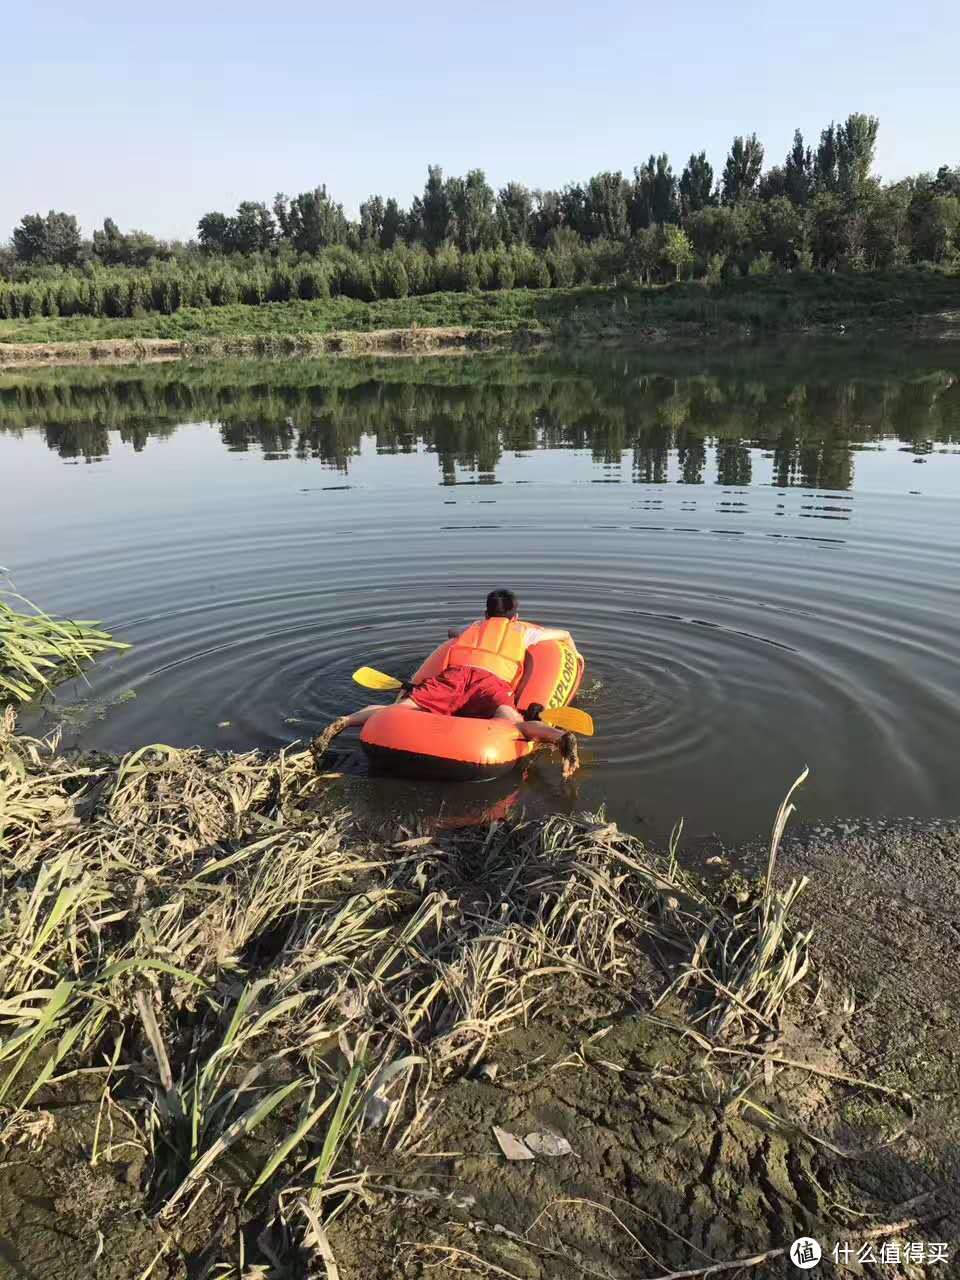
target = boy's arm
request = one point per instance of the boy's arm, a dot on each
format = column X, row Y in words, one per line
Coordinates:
column 453, row 632
column 553, row 633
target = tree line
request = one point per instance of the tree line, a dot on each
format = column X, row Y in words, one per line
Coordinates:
column 820, row 209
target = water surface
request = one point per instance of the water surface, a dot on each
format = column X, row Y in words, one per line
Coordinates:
column 758, row 553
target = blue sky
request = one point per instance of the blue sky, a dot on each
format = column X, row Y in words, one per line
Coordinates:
column 155, row 114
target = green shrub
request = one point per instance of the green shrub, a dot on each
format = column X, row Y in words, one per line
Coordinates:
column 224, row 289
column 503, row 273
column 561, row 268
column 195, row 292
column 716, row 264
column 393, row 281
column 448, row 276
column 253, row 288
column 283, row 285
column 468, row 277
column 527, row 266
column 312, row 281
column 138, row 288
column 416, row 263
column 762, row 265
column 114, row 299
column 356, row 280
column 30, row 302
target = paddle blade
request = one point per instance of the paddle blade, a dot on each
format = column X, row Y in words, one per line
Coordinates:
column 371, row 679
column 571, row 718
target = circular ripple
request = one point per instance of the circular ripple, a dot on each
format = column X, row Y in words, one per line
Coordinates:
column 718, row 665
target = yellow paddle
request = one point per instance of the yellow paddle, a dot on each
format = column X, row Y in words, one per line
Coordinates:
column 571, row 718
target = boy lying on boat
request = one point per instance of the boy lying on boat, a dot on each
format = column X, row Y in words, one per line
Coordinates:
column 478, row 681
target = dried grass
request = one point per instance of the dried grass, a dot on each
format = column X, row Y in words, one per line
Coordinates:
column 261, row 977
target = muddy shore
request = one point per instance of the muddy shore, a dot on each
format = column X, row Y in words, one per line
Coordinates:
column 654, row 1158
column 105, row 351
column 884, row 903
column 720, row 1082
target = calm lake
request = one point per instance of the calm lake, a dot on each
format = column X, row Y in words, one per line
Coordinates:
column 758, row 553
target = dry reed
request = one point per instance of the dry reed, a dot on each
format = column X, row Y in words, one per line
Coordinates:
column 260, row 976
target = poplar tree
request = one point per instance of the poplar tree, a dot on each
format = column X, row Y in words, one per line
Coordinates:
column 372, row 214
column 825, row 161
column 798, row 171
column 470, row 201
column 514, row 213
column 605, row 207
column 856, row 143
column 742, row 170
column 696, row 184
column 432, row 210
column 392, row 225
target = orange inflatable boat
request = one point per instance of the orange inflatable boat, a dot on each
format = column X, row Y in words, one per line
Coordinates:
column 420, row 744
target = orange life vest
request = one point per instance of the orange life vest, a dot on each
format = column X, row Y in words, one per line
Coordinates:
column 495, row 644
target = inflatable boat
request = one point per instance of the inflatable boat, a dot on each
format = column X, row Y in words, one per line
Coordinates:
column 420, row 744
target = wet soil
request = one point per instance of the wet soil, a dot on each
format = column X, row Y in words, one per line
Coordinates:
column 884, row 901
column 679, row 1160
column 666, row 1173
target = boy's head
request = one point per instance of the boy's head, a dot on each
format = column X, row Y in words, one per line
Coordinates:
column 502, row 604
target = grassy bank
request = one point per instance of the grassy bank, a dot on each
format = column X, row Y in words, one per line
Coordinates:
column 782, row 303
column 411, row 341
column 238, row 1030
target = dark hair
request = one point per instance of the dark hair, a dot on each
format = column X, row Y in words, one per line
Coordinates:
column 502, row 604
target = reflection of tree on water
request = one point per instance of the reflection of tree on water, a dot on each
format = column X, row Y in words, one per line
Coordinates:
column 823, row 464
column 692, row 457
column 470, row 414
column 521, row 437
column 651, row 455
column 604, row 435
column 459, row 443
column 921, row 410
column 138, row 434
column 90, row 442
column 274, row 439
column 329, row 441
column 734, row 466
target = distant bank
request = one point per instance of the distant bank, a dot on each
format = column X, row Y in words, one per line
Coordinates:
column 794, row 303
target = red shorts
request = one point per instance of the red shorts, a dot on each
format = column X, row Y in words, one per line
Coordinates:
column 463, row 691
